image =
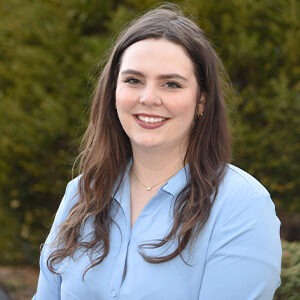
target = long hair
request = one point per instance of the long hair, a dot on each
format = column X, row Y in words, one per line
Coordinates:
column 106, row 148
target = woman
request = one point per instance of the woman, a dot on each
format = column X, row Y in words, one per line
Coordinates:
column 158, row 212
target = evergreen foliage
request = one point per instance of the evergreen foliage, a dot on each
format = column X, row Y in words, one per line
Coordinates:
column 257, row 41
column 44, row 62
column 49, row 58
column 290, row 275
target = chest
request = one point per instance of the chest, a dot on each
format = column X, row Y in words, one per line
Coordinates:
column 124, row 274
column 139, row 197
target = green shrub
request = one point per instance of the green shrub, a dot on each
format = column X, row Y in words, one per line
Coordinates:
column 48, row 64
column 290, row 275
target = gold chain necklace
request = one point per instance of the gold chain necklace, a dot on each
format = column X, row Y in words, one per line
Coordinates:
column 149, row 187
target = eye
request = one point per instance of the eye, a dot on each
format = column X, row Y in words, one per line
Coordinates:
column 132, row 80
column 172, row 85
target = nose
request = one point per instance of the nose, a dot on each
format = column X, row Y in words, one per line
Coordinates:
column 150, row 97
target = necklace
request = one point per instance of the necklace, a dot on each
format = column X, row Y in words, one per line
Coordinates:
column 149, row 187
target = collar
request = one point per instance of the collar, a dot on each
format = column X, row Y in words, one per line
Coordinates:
column 124, row 187
column 176, row 183
column 173, row 186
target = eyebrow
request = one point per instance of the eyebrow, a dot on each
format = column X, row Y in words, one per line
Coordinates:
column 162, row 76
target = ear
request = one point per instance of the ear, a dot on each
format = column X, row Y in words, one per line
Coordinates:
column 200, row 106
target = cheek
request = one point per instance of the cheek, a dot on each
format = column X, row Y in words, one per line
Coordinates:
column 185, row 110
column 119, row 94
column 124, row 99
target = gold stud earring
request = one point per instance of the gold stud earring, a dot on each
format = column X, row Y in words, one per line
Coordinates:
column 199, row 114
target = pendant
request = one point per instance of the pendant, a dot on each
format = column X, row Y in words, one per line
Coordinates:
column 148, row 188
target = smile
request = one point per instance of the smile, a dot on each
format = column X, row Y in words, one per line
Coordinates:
column 150, row 119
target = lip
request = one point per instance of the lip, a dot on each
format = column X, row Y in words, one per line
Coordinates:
column 148, row 125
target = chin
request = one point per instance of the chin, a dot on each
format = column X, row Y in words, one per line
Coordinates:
column 147, row 144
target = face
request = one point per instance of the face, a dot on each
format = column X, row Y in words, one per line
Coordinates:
column 156, row 95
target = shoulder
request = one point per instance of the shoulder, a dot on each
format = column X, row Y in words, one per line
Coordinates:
column 238, row 181
column 243, row 207
column 73, row 186
column 240, row 195
column 69, row 199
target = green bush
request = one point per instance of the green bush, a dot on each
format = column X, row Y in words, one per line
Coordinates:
column 48, row 63
column 45, row 60
column 290, row 275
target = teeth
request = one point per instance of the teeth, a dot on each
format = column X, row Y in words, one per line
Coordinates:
column 150, row 119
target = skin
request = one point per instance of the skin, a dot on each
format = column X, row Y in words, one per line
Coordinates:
column 156, row 100
column 157, row 79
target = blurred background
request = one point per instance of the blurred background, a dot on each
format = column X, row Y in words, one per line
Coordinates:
column 51, row 52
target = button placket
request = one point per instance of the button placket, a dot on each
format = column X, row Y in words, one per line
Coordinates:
column 119, row 265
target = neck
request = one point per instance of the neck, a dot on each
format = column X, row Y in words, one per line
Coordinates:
column 151, row 168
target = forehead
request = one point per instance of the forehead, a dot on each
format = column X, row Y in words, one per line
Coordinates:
column 157, row 54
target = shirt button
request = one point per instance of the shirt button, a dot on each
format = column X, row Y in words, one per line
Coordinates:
column 113, row 293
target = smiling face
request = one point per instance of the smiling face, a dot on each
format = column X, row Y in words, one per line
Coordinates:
column 156, row 95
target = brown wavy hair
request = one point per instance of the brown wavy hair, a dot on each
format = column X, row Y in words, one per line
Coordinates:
column 106, row 148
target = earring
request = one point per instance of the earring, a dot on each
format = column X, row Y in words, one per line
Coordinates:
column 199, row 114
column 199, row 109
column 200, row 106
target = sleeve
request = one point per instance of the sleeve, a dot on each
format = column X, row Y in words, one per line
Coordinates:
column 244, row 253
column 49, row 282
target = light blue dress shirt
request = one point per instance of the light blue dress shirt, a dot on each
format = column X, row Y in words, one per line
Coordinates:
column 237, row 255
